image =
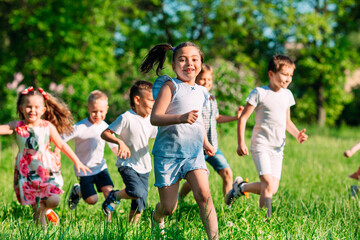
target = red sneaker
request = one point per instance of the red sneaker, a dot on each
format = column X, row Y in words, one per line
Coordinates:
column 52, row 217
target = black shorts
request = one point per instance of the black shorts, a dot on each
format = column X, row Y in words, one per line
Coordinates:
column 100, row 180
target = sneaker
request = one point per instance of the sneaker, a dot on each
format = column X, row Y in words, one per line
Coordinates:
column 74, row 197
column 157, row 226
column 110, row 203
column 52, row 217
column 236, row 192
column 354, row 190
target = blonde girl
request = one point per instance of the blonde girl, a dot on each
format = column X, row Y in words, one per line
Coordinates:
column 178, row 148
column 37, row 176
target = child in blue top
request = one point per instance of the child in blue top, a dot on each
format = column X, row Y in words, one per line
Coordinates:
column 178, row 148
column 271, row 104
column 211, row 116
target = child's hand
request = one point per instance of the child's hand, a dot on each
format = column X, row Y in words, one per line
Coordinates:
column 124, row 151
column 302, row 137
column 348, row 153
column 242, row 150
column 189, row 117
column 209, row 149
column 239, row 111
column 81, row 167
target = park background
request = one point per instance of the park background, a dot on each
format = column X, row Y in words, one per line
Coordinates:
column 70, row 48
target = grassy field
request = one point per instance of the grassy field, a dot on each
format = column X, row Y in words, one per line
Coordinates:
column 312, row 202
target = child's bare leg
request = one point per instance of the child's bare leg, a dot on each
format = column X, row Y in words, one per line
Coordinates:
column 134, row 216
column 106, row 190
column 227, row 177
column 93, row 199
column 39, row 214
column 185, row 189
column 198, row 180
column 40, row 210
column 254, row 187
column 269, row 186
column 168, row 202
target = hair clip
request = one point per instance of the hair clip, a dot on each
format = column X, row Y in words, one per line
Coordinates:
column 27, row 90
column 173, row 49
column 43, row 93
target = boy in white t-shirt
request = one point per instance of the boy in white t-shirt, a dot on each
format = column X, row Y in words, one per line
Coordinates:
column 271, row 104
column 89, row 147
column 134, row 130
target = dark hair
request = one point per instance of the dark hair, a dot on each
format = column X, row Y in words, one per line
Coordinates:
column 137, row 89
column 157, row 56
column 279, row 61
column 57, row 112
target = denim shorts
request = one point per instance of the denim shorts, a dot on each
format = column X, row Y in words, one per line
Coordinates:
column 136, row 185
column 100, row 180
column 218, row 161
column 169, row 170
column 268, row 162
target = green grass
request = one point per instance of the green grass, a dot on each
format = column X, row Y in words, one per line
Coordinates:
column 312, row 202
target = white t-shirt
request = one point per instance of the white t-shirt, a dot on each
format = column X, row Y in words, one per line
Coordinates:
column 135, row 131
column 89, row 146
column 270, row 116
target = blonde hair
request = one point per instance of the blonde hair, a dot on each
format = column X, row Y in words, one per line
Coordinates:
column 97, row 95
column 57, row 112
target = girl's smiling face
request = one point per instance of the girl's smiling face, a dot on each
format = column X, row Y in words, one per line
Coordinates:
column 33, row 108
column 187, row 64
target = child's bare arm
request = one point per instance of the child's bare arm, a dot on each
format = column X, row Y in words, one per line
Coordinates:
column 353, row 150
column 292, row 129
column 7, row 129
column 123, row 151
column 224, row 119
column 65, row 148
column 242, row 148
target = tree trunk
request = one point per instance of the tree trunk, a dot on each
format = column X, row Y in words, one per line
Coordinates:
column 320, row 105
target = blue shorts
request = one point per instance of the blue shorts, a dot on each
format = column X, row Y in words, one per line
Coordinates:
column 218, row 161
column 136, row 185
column 100, row 180
column 169, row 170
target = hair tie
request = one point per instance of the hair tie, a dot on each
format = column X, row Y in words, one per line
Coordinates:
column 43, row 93
column 173, row 49
column 27, row 90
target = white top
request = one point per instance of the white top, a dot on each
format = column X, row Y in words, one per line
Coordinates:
column 135, row 131
column 89, row 146
column 181, row 140
column 270, row 116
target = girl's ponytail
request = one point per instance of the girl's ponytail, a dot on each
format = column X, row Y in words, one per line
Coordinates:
column 58, row 113
column 156, row 55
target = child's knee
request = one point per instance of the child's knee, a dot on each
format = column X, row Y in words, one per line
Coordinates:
column 168, row 209
column 226, row 174
column 52, row 201
column 91, row 200
column 203, row 196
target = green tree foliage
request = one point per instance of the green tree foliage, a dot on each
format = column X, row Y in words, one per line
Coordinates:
column 65, row 42
column 86, row 45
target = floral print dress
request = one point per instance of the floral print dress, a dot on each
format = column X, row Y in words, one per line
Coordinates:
column 37, row 173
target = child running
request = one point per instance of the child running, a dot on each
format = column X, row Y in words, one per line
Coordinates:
column 134, row 161
column 349, row 153
column 272, row 115
column 89, row 147
column 178, row 148
column 37, row 176
column 211, row 116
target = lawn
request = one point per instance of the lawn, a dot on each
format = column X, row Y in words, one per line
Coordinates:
column 312, row 202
